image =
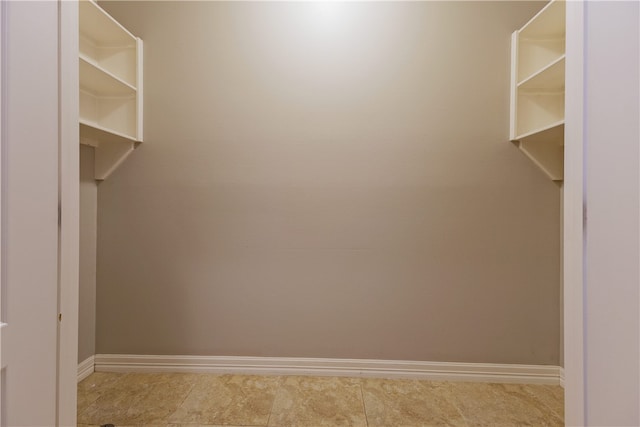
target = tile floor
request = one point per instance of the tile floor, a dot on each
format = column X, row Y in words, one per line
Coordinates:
column 236, row 400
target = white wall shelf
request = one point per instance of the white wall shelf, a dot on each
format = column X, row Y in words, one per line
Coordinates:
column 111, row 149
column 537, row 88
column 100, row 81
column 107, row 42
column 549, row 78
column 538, row 110
column 545, row 147
column 110, row 59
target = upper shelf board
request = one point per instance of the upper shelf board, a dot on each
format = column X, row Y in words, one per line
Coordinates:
column 549, row 23
column 98, row 25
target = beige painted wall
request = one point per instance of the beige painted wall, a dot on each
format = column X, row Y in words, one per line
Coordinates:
column 88, row 228
column 328, row 181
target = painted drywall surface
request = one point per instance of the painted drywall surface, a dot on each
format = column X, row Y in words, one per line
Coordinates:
column 328, row 180
column 88, row 231
column 612, row 309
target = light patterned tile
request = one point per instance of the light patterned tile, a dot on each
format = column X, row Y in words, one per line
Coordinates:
column 162, row 399
column 317, row 402
column 90, row 389
column 163, row 425
column 551, row 396
column 229, row 400
column 159, row 425
column 111, row 405
column 407, row 403
column 525, row 402
column 192, row 400
column 499, row 405
column 139, row 399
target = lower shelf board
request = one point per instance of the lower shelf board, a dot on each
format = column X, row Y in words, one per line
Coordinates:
column 553, row 131
column 111, row 148
column 92, row 134
column 546, row 149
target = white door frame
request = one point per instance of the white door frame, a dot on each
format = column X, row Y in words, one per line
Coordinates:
column 573, row 224
column 30, row 239
column 600, row 215
column 69, row 198
column 2, row 324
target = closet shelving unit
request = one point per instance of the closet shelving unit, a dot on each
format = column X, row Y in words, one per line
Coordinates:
column 537, row 89
column 110, row 74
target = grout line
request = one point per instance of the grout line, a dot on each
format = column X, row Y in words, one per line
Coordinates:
column 548, row 407
column 455, row 405
column 186, row 396
column 87, row 406
column 364, row 405
column 275, row 396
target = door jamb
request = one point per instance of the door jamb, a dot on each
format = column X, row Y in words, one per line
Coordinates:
column 69, row 217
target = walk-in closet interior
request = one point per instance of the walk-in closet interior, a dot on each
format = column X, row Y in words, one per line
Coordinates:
column 293, row 207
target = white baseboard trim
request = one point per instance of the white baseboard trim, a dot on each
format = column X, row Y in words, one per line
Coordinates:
column 86, row 368
column 443, row 371
column 561, row 375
